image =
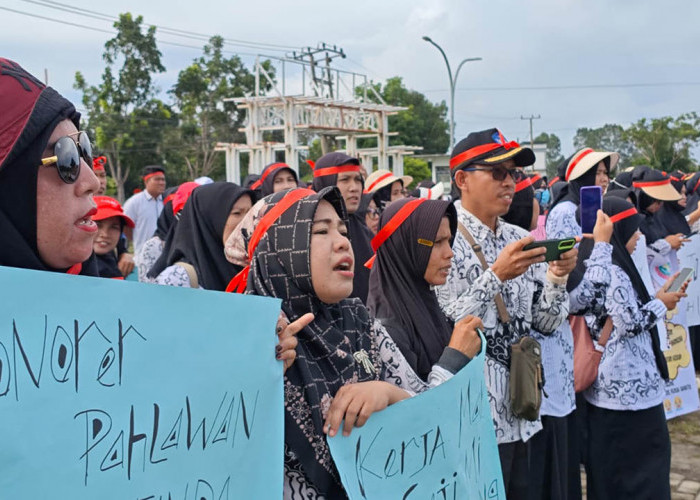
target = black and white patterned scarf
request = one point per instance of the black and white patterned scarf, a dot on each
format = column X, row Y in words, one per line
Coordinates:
column 334, row 350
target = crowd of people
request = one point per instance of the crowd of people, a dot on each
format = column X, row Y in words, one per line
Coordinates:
column 384, row 292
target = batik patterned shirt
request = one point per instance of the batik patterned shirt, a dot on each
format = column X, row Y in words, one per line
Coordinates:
column 147, row 256
column 558, row 348
column 533, row 302
column 397, row 371
column 628, row 378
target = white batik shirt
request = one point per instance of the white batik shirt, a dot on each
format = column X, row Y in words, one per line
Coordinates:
column 533, row 302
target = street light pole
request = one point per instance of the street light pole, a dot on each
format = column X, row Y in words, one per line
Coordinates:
column 453, row 84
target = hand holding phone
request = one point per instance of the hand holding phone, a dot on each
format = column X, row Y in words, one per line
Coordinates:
column 554, row 248
column 591, row 201
column 683, row 275
column 603, row 229
column 515, row 259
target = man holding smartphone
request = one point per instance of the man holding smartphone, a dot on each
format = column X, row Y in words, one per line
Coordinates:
column 513, row 291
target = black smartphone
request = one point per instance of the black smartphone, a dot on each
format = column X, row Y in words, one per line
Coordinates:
column 591, row 201
column 554, row 247
column 684, row 275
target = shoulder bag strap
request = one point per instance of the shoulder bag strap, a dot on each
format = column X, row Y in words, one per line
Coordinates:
column 605, row 333
column 191, row 273
column 503, row 315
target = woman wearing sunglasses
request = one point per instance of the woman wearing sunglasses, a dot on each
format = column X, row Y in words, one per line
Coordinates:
column 46, row 183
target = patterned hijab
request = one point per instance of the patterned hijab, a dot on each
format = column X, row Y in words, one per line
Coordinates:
column 335, row 349
column 236, row 247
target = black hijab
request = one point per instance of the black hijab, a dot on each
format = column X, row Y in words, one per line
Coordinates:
column 651, row 226
column 360, row 234
column 670, row 215
column 382, row 197
column 522, row 206
column 167, row 218
column 621, row 187
column 197, row 237
column 692, row 192
column 399, row 295
column 29, row 113
column 266, row 183
column 364, row 206
column 331, row 348
column 622, row 232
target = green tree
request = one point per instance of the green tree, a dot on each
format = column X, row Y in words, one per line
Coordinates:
column 609, row 137
column 553, row 156
column 205, row 117
column 416, row 168
column 423, row 124
column 665, row 143
column 125, row 118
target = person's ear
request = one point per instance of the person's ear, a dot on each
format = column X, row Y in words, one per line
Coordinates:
column 461, row 180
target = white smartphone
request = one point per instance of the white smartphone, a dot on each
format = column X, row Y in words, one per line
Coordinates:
column 685, row 274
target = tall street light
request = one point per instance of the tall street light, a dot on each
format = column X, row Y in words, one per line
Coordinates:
column 453, row 84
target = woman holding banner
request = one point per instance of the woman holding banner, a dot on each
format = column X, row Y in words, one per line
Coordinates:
column 414, row 254
column 347, row 366
column 46, row 179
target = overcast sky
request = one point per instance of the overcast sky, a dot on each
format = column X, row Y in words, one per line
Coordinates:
column 574, row 63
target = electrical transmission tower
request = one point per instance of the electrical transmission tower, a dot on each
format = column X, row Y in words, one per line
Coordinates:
column 323, row 82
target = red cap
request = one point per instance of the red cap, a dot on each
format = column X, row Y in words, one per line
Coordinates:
column 182, row 195
column 109, row 207
column 99, row 163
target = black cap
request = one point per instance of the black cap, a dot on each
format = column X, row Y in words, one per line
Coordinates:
column 488, row 147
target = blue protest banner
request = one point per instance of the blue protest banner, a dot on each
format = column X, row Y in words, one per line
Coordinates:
column 437, row 445
column 111, row 389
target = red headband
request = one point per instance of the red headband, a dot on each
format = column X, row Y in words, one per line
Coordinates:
column 336, row 170
column 272, row 168
column 239, row 281
column 623, row 215
column 377, row 181
column 553, row 181
column 391, row 226
column 575, row 160
column 526, row 182
column 478, row 151
column 651, row 183
column 148, row 176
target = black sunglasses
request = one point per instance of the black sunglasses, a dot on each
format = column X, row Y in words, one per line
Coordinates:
column 67, row 154
column 499, row 173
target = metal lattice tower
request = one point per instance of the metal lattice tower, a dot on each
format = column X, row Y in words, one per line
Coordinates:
column 312, row 102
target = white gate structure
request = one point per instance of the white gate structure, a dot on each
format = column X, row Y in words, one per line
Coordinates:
column 302, row 106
